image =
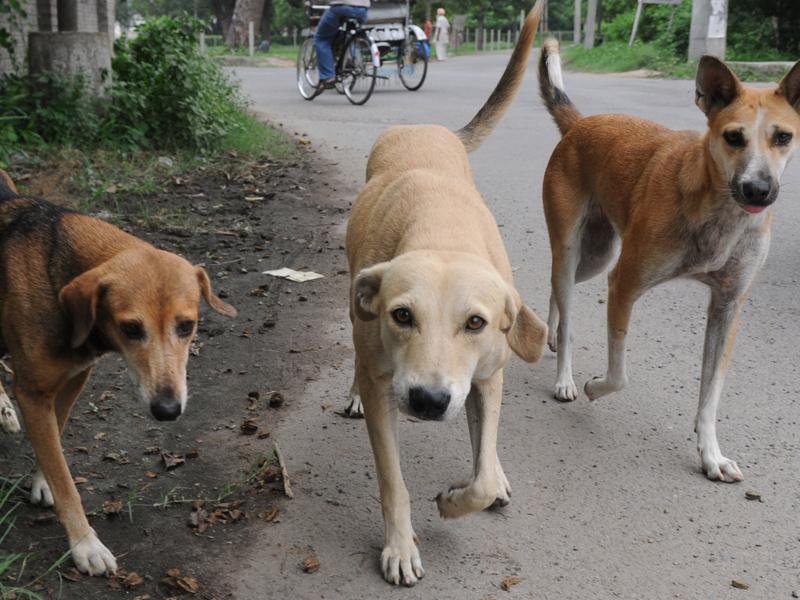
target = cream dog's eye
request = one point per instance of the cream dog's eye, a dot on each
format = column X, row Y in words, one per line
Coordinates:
column 133, row 330
column 402, row 316
column 475, row 323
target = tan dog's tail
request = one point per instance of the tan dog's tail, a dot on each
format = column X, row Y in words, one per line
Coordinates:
column 487, row 118
column 551, row 87
column 7, row 188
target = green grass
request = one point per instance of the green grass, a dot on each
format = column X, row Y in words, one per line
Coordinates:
column 616, row 57
column 286, row 51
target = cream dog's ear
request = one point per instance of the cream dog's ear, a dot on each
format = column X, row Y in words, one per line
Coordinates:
column 526, row 332
column 366, row 287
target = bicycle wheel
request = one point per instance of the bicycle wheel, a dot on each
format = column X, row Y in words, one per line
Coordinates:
column 307, row 73
column 412, row 62
column 358, row 73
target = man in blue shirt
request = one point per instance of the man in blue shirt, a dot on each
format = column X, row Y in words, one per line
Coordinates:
column 339, row 10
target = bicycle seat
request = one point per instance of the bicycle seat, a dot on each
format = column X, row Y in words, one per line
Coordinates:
column 352, row 24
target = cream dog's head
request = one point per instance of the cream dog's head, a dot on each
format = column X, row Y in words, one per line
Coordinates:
column 446, row 319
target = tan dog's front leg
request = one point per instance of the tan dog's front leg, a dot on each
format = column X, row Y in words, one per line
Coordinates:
column 481, row 491
column 400, row 560
column 41, row 423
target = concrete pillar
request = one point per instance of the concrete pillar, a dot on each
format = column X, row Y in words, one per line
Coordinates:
column 709, row 28
column 576, row 24
column 591, row 17
column 67, row 15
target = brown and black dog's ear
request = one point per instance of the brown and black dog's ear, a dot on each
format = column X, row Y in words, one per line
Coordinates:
column 79, row 299
column 7, row 187
column 364, row 295
column 789, row 87
column 716, row 86
column 212, row 299
column 525, row 331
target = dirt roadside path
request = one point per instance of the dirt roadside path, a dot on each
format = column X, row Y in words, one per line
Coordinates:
column 284, row 213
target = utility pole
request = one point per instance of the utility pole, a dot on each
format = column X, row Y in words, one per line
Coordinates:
column 591, row 18
column 576, row 32
column 709, row 28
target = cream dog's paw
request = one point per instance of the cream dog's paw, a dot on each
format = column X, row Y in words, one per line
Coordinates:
column 462, row 500
column 400, row 561
column 566, row 391
column 354, row 410
column 92, row 557
column 40, row 491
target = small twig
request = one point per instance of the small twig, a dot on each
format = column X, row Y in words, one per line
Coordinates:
column 287, row 485
column 6, row 368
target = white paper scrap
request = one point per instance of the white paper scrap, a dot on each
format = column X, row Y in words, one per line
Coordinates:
column 292, row 275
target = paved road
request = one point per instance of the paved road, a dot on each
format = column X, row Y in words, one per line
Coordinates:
column 609, row 501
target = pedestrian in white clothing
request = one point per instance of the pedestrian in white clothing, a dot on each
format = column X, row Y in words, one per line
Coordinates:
column 442, row 35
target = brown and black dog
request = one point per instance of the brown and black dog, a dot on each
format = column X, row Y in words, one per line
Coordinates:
column 675, row 204
column 73, row 288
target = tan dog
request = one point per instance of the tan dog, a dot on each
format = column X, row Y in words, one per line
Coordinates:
column 71, row 289
column 434, row 309
column 683, row 204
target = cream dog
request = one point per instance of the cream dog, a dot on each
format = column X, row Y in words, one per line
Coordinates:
column 435, row 313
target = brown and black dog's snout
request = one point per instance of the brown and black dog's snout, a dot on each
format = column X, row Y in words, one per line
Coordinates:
column 166, row 406
column 757, row 193
column 428, row 404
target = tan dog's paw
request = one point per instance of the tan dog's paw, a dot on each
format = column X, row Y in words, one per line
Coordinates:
column 400, row 561
column 566, row 390
column 92, row 557
column 40, row 491
column 8, row 416
column 597, row 387
column 354, row 410
column 719, row 468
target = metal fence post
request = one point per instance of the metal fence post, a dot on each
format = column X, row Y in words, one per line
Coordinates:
column 251, row 35
column 202, row 42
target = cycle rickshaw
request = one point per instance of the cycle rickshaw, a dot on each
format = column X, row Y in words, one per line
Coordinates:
column 365, row 53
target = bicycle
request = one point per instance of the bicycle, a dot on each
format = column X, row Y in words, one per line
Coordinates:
column 357, row 62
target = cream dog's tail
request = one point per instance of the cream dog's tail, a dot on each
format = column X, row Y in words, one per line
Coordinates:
column 487, row 118
column 551, row 87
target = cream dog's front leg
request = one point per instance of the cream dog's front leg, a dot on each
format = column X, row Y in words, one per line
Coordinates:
column 483, row 413
column 400, row 560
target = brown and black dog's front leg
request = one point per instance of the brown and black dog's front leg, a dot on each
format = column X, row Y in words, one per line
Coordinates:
column 400, row 560
column 44, row 415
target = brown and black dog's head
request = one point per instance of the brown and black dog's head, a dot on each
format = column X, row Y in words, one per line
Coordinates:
column 752, row 131
column 144, row 303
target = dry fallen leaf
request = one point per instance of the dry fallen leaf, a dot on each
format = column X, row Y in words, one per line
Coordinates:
column 151, row 474
column 172, row 461
column 112, row 507
column 276, row 400
column 248, row 427
column 132, row 580
column 270, row 514
column 79, row 480
column 186, row 583
column 71, row 574
column 509, row 582
column 740, row 584
column 310, row 563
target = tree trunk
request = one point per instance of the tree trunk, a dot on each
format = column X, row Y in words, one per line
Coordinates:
column 245, row 12
column 266, row 20
column 223, row 11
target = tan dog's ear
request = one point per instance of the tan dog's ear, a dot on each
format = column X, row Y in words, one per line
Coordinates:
column 79, row 299
column 790, row 86
column 366, row 286
column 716, row 85
column 526, row 333
column 213, row 301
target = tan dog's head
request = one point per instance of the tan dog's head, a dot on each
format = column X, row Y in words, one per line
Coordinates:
column 446, row 319
column 752, row 132
column 143, row 303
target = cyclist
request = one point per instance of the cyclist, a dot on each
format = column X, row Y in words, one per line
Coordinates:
column 339, row 10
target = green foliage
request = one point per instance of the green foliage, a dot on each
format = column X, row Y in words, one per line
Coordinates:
column 166, row 93
column 11, row 13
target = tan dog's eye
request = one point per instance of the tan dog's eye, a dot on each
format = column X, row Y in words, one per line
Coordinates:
column 133, row 330
column 402, row 316
column 185, row 328
column 475, row 323
column 735, row 138
column 782, row 138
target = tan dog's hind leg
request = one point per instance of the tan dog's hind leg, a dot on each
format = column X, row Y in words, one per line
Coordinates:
column 400, row 560
column 66, row 397
column 42, row 425
column 565, row 263
column 723, row 318
column 622, row 293
column 482, row 490
column 8, row 416
column 354, row 410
